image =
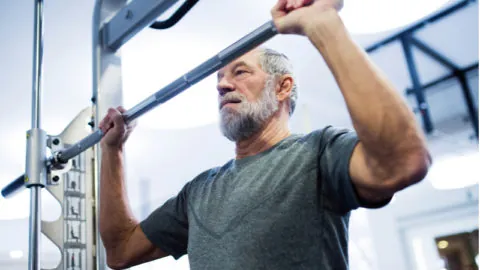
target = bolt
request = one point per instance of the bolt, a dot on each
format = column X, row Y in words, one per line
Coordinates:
column 56, row 141
column 129, row 15
column 55, row 178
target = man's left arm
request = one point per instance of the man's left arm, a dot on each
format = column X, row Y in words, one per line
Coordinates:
column 392, row 152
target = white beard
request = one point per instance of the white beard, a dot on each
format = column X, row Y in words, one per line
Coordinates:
column 249, row 117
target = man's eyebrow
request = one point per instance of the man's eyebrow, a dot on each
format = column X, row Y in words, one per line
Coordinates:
column 239, row 64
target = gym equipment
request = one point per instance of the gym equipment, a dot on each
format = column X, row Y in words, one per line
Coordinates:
column 124, row 21
column 73, row 187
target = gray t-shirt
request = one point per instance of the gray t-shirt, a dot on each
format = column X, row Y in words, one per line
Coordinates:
column 285, row 208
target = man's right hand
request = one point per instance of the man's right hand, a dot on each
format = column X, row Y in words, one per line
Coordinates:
column 115, row 129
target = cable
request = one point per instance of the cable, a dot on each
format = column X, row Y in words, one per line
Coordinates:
column 177, row 16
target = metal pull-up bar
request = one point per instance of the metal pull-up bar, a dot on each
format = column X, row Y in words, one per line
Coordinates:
column 237, row 49
column 252, row 40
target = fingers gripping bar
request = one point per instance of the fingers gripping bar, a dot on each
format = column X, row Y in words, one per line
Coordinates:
column 237, row 49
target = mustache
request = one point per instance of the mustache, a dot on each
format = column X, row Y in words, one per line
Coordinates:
column 230, row 97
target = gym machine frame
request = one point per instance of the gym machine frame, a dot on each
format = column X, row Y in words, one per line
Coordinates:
column 114, row 23
column 408, row 40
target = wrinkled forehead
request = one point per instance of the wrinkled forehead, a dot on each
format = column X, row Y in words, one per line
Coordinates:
column 251, row 58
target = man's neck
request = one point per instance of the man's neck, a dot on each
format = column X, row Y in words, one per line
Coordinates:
column 273, row 132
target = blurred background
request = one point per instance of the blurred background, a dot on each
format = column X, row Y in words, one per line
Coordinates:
column 432, row 225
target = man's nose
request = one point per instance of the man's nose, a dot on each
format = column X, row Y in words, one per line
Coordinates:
column 224, row 86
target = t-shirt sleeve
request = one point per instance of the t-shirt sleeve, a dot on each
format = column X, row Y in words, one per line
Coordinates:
column 335, row 151
column 167, row 226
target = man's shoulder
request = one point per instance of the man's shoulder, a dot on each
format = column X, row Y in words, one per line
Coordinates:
column 317, row 140
column 330, row 132
column 206, row 174
column 323, row 133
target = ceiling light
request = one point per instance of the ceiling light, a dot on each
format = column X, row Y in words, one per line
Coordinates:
column 455, row 171
column 443, row 244
column 16, row 254
column 373, row 16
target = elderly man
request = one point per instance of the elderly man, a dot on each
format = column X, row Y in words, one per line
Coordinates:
column 284, row 201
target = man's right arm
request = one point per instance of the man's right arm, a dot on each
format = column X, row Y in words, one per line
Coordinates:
column 125, row 243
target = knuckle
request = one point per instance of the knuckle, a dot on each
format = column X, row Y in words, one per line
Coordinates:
column 117, row 117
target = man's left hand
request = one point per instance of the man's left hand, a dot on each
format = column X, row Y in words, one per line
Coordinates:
column 296, row 16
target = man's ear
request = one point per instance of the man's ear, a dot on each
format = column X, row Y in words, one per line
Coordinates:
column 284, row 87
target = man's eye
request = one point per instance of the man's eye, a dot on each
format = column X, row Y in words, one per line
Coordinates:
column 240, row 72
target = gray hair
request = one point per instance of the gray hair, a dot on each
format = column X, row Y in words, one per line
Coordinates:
column 278, row 64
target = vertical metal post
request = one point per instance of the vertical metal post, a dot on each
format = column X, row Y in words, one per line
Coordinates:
column 462, row 79
column 416, row 86
column 37, row 64
column 35, row 145
column 467, row 95
column 34, row 222
column 100, row 258
column 107, row 92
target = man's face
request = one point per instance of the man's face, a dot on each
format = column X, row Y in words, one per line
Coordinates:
column 246, row 97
